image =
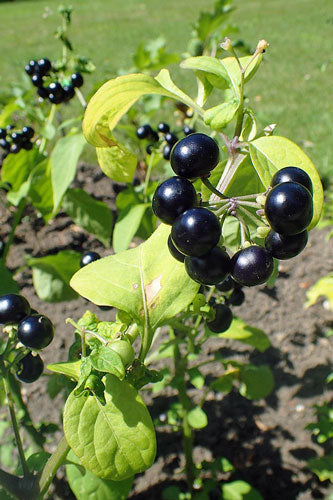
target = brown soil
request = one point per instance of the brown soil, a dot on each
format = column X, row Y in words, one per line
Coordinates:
column 265, row 440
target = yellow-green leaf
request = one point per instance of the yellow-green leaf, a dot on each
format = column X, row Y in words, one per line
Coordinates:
column 322, row 288
column 117, row 162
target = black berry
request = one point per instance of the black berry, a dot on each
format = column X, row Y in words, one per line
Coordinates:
column 27, row 145
column 144, row 131
column 15, row 148
column 37, row 80
column 55, row 99
column 166, row 151
column 89, row 257
column 13, row 308
column 188, row 130
column 69, row 92
column 30, row 368
column 237, row 297
column 77, row 80
column 3, row 133
column 171, row 138
column 285, row 247
column 173, row 197
column 4, row 144
column 292, row 174
column 29, row 70
column 210, row 269
column 43, row 92
column 17, row 138
column 194, row 156
column 174, row 252
column 222, row 320
column 163, row 127
column 196, row 231
column 28, row 132
column 44, row 66
column 289, row 208
column 251, row 266
column 35, row 331
column 149, row 149
column 227, row 285
column 56, row 89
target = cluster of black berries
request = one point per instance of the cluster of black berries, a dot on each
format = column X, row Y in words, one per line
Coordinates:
column 13, row 140
column 196, row 231
column 34, row 331
column 41, row 72
column 167, row 138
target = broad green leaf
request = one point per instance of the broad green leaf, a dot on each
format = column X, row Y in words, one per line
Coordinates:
column 69, row 368
column 209, row 66
column 113, row 441
column 146, row 281
column 107, row 360
column 196, row 378
column 164, row 79
column 197, row 418
column 117, row 162
column 17, row 168
column 257, row 381
column 92, row 215
column 233, row 69
column 240, row 490
column 51, row 275
column 7, row 282
column 127, row 225
column 322, row 467
column 224, row 382
column 40, row 189
column 270, row 154
column 219, row 116
column 86, row 486
column 112, row 101
column 239, row 330
column 36, row 462
column 64, row 159
column 322, row 288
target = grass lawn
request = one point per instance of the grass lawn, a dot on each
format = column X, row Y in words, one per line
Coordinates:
column 293, row 87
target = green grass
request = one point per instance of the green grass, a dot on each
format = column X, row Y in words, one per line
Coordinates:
column 293, row 88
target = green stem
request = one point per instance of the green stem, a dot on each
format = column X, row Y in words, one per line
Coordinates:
column 81, row 98
column 16, row 221
column 210, row 186
column 14, row 421
column 55, row 461
column 148, row 174
column 251, row 216
column 180, row 367
column 49, row 120
column 19, row 487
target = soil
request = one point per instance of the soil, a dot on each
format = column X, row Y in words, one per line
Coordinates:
column 265, row 440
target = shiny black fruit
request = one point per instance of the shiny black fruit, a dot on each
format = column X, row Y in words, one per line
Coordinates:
column 285, row 247
column 210, row 269
column 194, row 156
column 251, row 266
column 173, row 197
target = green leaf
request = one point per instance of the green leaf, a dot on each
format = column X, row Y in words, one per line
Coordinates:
column 209, row 65
column 249, row 130
column 107, row 360
column 322, row 467
column 17, row 168
column 197, row 418
column 117, row 162
column 36, row 462
column 322, row 288
column 40, row 189
column 86, row 486
column 219, row 116
column 270, row 154
column 196, row 378
column 7, row 282
column 240, row 490
column 64, row 159
column 92, row 215
column 224, row 382
column 127, row 225
column 239, row 330
column 114, row 441
column 69, row 368
column 165, row 81
column 51, row 275
column 146, row 281
column 257, row 381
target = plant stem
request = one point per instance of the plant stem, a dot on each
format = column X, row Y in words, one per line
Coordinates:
column 55, row 461
column 180, row 366
column 210, row 186
column 14, row 421
column 148, row 174
column 49, row 120
column 19, row 487
column 81, row 98
column 16, row 221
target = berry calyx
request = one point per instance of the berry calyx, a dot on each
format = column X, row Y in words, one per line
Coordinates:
column 30, row 368
column 173, row 197
column 210, row 269
column 251, row 266
column 196, row 231
column 284, row 247
column 13, row 308
column 194, row 156
column 35, row 331
column 222, row 320
column 89, row 257
column 176, row 254
column 292, row 174
column 289, row 208
column 77, row 80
